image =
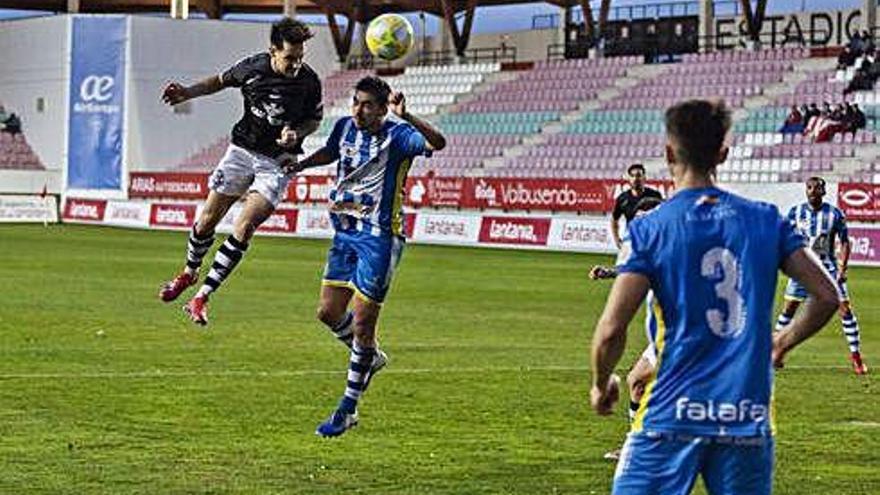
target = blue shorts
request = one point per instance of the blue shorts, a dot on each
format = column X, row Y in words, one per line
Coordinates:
column 663, row 465
column 794, row 291
column 363, row 262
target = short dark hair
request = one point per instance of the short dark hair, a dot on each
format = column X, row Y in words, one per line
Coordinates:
column 817, row 180
column 376, row 87
column 291, row 31
column 635, row 166
column 698, row 129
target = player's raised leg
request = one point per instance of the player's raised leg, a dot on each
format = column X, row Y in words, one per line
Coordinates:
column 256, row 210
column 201, row 237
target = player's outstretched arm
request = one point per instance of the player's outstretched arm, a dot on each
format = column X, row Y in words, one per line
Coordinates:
column 845, row 251
column 609, row 338
column 397, row 104
column 317, row 159
column 176, row 93
column 803, row 266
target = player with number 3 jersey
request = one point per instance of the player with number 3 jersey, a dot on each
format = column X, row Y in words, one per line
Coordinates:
column 711, row 259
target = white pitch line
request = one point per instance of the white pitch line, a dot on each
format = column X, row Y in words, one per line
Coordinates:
column 315, row 372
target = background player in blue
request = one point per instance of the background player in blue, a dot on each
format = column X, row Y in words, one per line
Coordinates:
column 373, row 156
column 282, row 105
column 822, row 223
column 711, row 258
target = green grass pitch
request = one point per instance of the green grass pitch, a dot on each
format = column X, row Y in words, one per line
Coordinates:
column 103, row 389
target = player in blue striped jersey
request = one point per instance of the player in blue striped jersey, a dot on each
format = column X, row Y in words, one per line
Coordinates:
column 823, row 224
column 373, row 156
column 711, row 259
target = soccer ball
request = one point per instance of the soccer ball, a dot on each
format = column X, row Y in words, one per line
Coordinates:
column 389, row 36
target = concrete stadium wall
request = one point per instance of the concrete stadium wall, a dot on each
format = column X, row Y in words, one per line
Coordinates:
column 531, row 45
column 33, row 54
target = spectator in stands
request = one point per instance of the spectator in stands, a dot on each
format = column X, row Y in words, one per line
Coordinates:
column 868, row 40
column 811, row 112
column 872, row 67
column 625, row 205
column 823, row 128
column 856, row 44
column 12, row 124
column 860, row 82
column 794, row 123
column 846, row 58
column 859, row 121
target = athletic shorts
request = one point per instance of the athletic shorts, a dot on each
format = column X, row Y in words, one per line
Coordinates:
column 794, row 291
column 363, row 262
column 241, row 171
column 668, row 465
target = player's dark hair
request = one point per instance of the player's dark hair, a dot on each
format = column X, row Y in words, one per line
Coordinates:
column 379, row 89
column 635, row 166
column 697, row 129
column 817, row 180
column 289, row 30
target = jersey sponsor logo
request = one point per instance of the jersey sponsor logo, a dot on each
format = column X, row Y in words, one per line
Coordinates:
column 348, row 150
column 711, row 411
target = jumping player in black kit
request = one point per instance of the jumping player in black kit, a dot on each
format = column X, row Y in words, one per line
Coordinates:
column 282, row 105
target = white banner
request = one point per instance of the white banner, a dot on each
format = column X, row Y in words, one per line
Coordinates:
column 447, row 229
column 314, row 223
column 28, row 209
column 127, row 214
column 582, row 234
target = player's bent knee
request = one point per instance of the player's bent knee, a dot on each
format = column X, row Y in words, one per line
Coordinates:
column 327, row 316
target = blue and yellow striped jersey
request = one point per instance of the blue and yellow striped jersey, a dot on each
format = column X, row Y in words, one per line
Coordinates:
column 370, row 175
column 821, row 227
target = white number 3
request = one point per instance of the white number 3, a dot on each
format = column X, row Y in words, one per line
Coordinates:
column 721, row 266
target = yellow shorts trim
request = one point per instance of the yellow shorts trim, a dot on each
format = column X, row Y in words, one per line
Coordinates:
column 363, row 297
column 348, row 285
column 337, row 283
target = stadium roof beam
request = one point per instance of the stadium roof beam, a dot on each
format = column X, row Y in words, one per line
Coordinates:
column 342, row 41
column 754, row 18
column 459, row 38
column 212, row 7
column 604, row 11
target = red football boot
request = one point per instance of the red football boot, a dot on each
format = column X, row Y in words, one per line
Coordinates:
column 172, row 289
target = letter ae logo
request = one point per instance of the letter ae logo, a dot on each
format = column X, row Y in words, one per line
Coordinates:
column 96, row 88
